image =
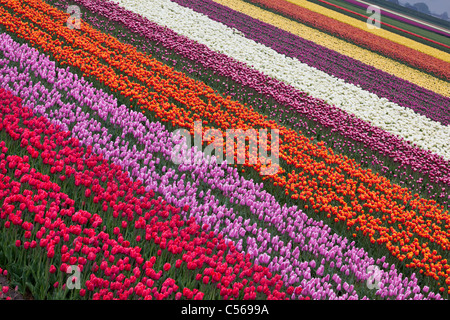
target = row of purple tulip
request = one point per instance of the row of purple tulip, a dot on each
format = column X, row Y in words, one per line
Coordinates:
column 372, row 144
column 383, row 84
column 302, row 250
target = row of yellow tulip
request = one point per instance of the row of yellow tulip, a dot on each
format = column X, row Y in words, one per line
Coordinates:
column 379, row 32
column 343, row 47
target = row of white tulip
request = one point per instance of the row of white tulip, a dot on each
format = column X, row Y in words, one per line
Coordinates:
column 398, row 120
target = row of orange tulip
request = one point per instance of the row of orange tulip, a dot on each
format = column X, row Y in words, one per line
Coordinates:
column 380, row 40
column 376, row 206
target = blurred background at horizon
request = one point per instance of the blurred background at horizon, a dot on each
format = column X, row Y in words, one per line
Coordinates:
column 436, row 8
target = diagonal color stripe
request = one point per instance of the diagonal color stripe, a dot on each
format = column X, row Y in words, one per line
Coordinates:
column 403, row 122
column 384, row 144
column 100, row 105
column 379, row 32
column 343, row 47
column 373, row 42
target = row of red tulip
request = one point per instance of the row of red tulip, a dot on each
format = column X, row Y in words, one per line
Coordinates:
column 306, row 183
column 363, row 38
column 135, row 246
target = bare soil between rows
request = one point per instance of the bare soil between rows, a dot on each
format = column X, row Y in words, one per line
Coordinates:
column 14, row 295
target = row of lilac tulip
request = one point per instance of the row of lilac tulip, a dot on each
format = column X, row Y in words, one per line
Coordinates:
column 382, row 143
column 94, row 118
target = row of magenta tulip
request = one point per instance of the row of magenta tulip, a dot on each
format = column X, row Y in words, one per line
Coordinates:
column 358, row 139
column 399, row 121
column 315, row 191
column 404, row 93
column 154, row 142
column 360, row 37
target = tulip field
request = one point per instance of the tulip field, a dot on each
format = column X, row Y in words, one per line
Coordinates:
column 348, row 199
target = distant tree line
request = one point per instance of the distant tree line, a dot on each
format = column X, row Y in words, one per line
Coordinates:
column 419, row 10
